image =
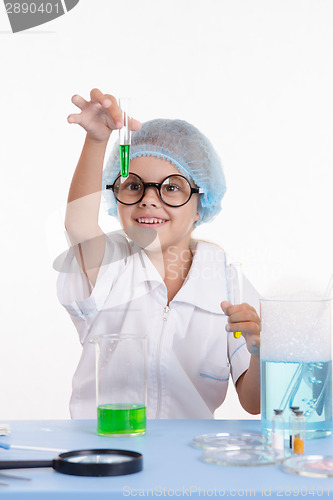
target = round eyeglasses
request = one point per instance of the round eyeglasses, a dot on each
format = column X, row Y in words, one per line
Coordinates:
column 174, row 190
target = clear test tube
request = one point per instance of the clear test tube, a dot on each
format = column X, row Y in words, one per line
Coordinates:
column 124, row 136
column 236, row 287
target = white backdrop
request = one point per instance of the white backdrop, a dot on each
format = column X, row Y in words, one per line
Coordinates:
column 255, row 76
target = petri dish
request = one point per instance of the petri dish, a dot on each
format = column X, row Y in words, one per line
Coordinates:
column 245, row 457
column 230, row 441
column 310, row 465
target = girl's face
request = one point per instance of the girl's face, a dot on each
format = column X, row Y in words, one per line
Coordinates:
column 175, row 224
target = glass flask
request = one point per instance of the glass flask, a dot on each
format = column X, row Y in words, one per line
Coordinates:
column 296, row 365
column 121, row 384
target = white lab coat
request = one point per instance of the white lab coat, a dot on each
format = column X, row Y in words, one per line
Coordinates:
column 190, row 354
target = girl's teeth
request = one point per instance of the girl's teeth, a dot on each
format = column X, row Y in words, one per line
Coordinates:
column 150, row 221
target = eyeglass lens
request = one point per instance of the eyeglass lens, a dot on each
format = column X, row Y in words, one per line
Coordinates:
column 175, row 190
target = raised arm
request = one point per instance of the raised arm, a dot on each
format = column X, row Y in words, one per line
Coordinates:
column 98, row 117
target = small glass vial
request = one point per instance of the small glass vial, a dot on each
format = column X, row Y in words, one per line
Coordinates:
column 298, row 432
column 278, row 430
column 291, row 416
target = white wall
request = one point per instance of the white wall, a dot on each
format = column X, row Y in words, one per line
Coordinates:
column 255, row 76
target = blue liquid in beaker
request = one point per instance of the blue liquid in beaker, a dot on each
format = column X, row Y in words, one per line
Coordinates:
column 304, row 384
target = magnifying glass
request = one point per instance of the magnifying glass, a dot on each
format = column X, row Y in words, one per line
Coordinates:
column 102, row 462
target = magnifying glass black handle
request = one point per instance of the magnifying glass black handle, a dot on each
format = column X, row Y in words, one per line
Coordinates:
column 25, row 464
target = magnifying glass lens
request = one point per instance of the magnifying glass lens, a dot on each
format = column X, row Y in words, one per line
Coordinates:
column 99, row 459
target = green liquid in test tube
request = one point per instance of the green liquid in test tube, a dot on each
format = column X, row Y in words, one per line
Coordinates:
column 124, row 137
column 124, row 159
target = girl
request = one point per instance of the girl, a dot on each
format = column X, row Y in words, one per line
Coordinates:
column 154, row 278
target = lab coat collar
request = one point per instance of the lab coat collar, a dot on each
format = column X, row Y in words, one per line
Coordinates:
column 205, row 285
column 145, row 273
column 144, row 270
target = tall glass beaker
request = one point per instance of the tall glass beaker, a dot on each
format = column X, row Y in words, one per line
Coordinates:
column 296, row 364
column 121, row 385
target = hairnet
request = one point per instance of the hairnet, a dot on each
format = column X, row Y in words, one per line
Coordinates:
column 187, row 149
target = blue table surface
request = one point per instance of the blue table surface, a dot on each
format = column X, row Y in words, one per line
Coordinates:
column 172, row 466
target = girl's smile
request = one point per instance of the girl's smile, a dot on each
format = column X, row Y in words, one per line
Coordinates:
column 150, row 220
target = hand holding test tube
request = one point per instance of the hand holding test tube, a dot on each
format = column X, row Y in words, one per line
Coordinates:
column 101, row 115
column 243, row 319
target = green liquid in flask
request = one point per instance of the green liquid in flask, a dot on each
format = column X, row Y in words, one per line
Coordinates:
column 124, row 159
column 121, row 419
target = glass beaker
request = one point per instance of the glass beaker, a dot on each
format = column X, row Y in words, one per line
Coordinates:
column 121, row 385
column 296, row 365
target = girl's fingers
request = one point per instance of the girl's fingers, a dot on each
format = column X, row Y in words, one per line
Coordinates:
column 114, row 110
column 109, row 103
column 244, row 318
column 250, row 327
column 74, row 118
column 253, row 343
column 241, row 313
column 105, row 100
column 97, row 96
column 253, row 347
column 245, row 315
column 230, row 309
column 79, row 101
column 135, row 124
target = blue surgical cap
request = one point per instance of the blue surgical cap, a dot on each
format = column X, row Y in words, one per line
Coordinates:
column 187, row 149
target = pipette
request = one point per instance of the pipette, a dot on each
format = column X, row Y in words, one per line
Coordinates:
column 8, row 446
column 124, row 137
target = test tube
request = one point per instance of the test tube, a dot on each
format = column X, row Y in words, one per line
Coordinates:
column 236, row 287
column 124, row 137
